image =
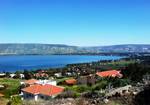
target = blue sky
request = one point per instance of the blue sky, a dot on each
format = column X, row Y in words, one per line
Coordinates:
column 75, row 22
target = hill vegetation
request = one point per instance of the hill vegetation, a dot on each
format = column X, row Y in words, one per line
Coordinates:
column 6, row 49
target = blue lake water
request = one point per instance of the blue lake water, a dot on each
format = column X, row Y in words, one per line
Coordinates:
column 32, row 62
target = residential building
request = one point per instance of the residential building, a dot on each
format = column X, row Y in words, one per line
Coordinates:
column 110, row 73
column 51, row 82
column 86, row 80
column 41, row 75
column 41, row 91
column 71, row 81
column 30, row 82
column 12, row 75
column 58, row 75
column 21, row 76
column 2, row 74
column 35, row 81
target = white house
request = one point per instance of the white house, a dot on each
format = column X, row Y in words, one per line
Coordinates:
column 41, row 91
column 44, row 89
column 34, row 81
column 2, row 74
column 58, row 75
column 12, row 75
column 51, row 82
column 21, row 76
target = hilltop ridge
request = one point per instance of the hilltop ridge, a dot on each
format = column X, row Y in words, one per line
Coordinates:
column 18, row 48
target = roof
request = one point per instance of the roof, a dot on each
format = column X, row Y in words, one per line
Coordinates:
column 46, row 89
column 31, row 81
column 1, row 95
column 110, row 73
column 71, row 81
column 41, row 75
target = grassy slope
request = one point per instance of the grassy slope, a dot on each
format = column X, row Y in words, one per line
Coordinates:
column 12, row 86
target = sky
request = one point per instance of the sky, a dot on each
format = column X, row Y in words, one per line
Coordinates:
column 75, row 22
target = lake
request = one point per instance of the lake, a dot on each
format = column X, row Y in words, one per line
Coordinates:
column 32, row 62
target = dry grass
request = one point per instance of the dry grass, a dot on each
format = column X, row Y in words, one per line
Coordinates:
column 3, row 101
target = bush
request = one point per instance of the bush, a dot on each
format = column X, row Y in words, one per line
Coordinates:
column 93, row 94
column 12, row 87
column 135, row 72
column 69, row 94
column 120, row 82
column 15, row 100
column 82, row 88
column 100, row 85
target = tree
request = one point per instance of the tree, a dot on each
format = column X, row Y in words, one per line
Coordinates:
column 134, row 72
column 27, row 74
column 7, row 74
column 17, row 74
column 142, row 98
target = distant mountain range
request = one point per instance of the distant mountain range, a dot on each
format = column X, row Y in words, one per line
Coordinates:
column 6, row 49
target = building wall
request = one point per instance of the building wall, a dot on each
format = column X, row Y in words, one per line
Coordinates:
column 28, row 96
column 52, row 83
column 35, row 97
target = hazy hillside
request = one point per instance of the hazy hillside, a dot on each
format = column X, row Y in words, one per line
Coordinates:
column 39, row 49
column 126, row 48
column 65, row 49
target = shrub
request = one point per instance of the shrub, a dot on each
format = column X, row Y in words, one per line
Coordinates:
column 82, row 88
column 120, row 82
column 15, row 100
column 69, row 94
column 100, row 85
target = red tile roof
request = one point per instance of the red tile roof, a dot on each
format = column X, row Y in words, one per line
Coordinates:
column 46, row 89
column 41, row 75
column 42, row 71
column 71, row 81
column 31, row 81
column 110, row 73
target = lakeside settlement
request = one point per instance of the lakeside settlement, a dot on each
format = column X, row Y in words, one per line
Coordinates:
column 107, row 82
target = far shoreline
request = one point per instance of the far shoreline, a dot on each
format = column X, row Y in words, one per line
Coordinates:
column 60, row 66
column 92, row 54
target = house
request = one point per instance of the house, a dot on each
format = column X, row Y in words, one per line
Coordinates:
column 68, row 74
column 41, row 91
column 34, row 81
column 58, row 75
column 2, row 74
column 41, row 75
column 12, row 75
column 21, row 76
column 51, row 82
column 30, row 82
column 71, row 81
column 86, row 80
column 110, row 73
